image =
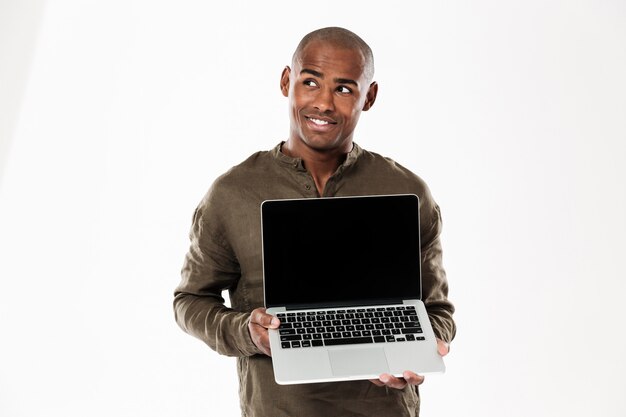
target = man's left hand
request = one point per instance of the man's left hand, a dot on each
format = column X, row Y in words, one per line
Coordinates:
column 408, row 377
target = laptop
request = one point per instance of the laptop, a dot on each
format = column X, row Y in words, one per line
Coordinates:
column 343, row 276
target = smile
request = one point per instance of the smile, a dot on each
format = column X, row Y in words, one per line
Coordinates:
column 321, row 125
column 319, row 122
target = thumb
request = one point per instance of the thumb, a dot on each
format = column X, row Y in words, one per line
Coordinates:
column 260, row 317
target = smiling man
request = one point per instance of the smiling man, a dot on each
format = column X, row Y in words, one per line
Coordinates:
column 328, row 85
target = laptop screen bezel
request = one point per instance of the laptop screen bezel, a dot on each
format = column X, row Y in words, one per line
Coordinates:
column 269, row 219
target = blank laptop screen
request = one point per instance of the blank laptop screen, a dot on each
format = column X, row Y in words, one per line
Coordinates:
column 341, row 251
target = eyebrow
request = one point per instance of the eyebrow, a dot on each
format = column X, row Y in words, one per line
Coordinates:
column 320, row 75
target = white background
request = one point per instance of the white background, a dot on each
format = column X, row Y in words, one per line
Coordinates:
column 115, row 117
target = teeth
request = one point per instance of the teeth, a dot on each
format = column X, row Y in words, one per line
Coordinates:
column 318, row 121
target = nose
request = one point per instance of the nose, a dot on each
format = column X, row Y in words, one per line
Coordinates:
column 324, row 101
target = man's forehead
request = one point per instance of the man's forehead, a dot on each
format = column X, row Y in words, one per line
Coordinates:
column 327, row 56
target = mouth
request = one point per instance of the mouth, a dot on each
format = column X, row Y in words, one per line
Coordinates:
column 321, row 124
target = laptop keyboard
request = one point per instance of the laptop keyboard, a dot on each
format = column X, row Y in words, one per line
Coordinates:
column 302, row 329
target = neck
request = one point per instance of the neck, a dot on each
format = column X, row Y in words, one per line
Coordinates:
column 320, row 164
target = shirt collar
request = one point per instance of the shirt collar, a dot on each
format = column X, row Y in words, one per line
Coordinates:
column 297, row 163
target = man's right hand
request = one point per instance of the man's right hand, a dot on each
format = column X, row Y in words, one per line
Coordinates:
column 259, row 322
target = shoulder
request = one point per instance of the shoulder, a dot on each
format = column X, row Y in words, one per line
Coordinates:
column 253, row 165
column 390, row 171
column 231, row 184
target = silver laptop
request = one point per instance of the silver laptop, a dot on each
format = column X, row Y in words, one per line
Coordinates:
column 343, row 276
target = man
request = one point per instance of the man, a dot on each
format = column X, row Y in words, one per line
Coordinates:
column 328, row 85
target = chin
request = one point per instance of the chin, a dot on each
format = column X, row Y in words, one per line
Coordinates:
column 321, row 144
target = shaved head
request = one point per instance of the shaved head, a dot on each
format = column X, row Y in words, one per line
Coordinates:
column 341, row 38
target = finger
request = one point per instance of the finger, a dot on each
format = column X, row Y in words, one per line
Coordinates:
column 442, row 347
column 392, row 382
column 260, row 317
column 377, row 382
column 412, row 378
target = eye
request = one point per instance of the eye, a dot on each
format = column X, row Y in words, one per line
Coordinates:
column 309, row 82
column 344, row 90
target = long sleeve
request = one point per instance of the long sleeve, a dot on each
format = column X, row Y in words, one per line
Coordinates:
column 211, row 267
column 434, row 281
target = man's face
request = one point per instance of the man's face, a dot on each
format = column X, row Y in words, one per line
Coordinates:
column 327, row 91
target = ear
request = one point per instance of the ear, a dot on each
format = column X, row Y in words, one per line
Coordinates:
column 284, row 81
column 370, row 97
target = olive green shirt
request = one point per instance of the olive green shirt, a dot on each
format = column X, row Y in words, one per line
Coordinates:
column 225, row 254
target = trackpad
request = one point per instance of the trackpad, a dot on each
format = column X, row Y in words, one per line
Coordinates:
column 358, row 362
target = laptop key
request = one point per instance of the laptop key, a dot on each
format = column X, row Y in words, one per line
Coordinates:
column 283, row 332
column 379, row 339
column 317, row 343
column 410, row 337
column 390, row 339
column 306, row 343
column 411, row 330
column 290, row 338
column 349, row 341
column 295, row 344
column 285, row 345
